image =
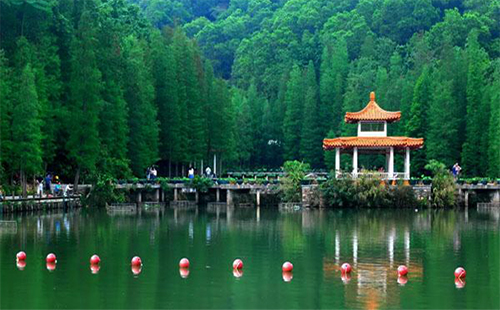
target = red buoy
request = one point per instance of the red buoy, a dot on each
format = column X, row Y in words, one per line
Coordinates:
column 136, row 269
column 459, row 283
column 346, row 268
column 345, row 277
column 287, row 276
column 21, row 256
column 402, row 270
column 51, row 258
column 136, row 261
column 51, row 266
column 402, row 280
column 237, row 273
column 287, row 266
column 460, row 273
column 95, row 260
column 94, row 268
column 238, row 264
column 21, row 264
column 184, row 263
column 184, row 272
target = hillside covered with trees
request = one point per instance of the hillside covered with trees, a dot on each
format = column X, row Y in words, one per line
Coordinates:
column 113, row 86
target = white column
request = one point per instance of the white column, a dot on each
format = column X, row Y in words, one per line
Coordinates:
column 337, row 162
column 407, row 164
column 355, row 248
column 390, row 241
column 355, row 162
column 407, row 247
column 215, row 164
column 337, row 247
column 391, row 164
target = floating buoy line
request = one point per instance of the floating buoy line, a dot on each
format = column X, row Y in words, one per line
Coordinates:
column 237, row 266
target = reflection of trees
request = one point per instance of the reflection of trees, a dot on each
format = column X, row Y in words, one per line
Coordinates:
column 424, row 240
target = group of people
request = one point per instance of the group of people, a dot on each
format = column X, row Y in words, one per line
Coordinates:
column 208, row 172
column 44, row 186
column 151, row 173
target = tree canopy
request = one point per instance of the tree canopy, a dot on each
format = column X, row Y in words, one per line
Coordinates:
column 115, row 86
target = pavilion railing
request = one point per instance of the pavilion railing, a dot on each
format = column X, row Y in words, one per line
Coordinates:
column 372, row 175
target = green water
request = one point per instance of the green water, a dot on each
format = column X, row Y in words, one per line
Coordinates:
column 431, row 242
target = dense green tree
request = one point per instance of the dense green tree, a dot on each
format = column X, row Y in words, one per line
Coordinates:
column 5, row 115
column 473, row 157
column 121, row 84
column 113, row 116
column 165, row 79
column 418, row 124
column 443, row 123
column 494, row 132
column 294, row 100
column 85, row 86
column 334, row 68
column 243, row 129
column 310, row 142
column 139, row 95
column 256, row 106
column 26, row 129
column 191, row 104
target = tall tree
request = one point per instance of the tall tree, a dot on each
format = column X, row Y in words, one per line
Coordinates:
column 418, row 123
column 5, row 115
column 164, row 73
column 113, row 116
column 26, row 151
column 139, row 94
column 85, row 86
column 443, row 123
column 494, row 132
column 292, row 123
column 334, row 68
column 256, row 105
column 473, row 158
column 311, row 135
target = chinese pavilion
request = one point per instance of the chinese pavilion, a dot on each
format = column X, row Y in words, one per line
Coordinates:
column 372, row 138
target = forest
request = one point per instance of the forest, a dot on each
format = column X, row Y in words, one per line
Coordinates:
column 111, row 87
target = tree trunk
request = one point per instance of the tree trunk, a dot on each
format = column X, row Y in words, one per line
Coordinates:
column 77, row 178
column 23, row 183
column 169, row 168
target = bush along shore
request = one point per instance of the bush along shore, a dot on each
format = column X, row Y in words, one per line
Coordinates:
column 368, row 192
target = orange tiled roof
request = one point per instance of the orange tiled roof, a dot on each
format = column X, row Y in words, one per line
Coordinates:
column 372, row 112
column 372, row 142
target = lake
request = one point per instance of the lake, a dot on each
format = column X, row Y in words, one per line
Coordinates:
column 432, row 243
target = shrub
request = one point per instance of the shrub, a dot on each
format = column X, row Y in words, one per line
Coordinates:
column 443, row 191
column 365, row 192
column 295, row 172
column 201, row 184
column 103, row 191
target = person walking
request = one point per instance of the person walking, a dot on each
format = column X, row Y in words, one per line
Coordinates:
column 191, row 172
column 48, row 181
column 154, row 173
column 208, row 172
column 456, row 170
column 39, row 187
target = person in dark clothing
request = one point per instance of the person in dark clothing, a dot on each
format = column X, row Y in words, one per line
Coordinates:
column 48, row 181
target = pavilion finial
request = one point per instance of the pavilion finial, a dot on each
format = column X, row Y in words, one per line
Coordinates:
column 372, row 96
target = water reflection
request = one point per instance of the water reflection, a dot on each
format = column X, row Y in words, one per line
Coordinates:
column 184, row 272
column 287, row 276
column 317, row 241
